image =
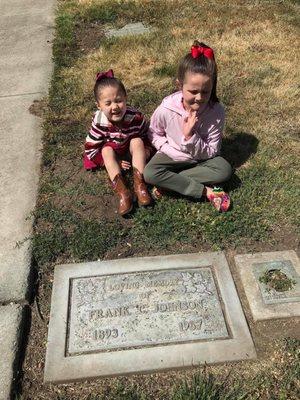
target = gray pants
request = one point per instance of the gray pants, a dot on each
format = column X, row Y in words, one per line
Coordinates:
column 186, row 177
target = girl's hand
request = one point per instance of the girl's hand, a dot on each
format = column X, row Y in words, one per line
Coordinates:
column 188, row 124
column 125, row 164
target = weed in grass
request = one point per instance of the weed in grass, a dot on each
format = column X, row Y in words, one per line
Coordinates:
column 278, row 280
column 205, row 387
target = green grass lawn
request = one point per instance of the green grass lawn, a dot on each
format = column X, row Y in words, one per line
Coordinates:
column 257, row 51
column 257, row 84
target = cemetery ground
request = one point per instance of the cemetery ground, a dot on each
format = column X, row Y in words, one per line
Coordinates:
column 75, row 219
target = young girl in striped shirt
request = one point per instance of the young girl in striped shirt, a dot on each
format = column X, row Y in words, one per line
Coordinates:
column 118, row 133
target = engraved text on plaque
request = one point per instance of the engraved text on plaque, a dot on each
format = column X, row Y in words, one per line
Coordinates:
column 143, row 309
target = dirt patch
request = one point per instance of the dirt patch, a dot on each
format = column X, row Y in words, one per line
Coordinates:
column 89, row 37
column 39, row 107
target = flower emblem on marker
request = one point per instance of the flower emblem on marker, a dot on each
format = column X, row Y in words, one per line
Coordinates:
column 195, row 283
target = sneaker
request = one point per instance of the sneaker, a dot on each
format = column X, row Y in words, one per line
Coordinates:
column 219, row 199
column 157, row 193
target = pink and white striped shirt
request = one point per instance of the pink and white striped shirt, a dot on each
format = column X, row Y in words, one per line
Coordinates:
column 103, row 131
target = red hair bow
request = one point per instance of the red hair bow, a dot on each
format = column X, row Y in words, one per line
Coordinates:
column 196, row 51
column 107, row 74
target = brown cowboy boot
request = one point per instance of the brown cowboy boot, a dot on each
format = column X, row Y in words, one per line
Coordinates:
column 140, row 188
column 124, row 194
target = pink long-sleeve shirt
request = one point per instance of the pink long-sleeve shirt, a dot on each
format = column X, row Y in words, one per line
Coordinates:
column 166, row 130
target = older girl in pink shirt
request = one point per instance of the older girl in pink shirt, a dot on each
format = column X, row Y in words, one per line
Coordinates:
column 186, row 129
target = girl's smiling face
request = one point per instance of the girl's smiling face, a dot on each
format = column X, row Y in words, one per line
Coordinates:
column 112, row 101
column 196, row 91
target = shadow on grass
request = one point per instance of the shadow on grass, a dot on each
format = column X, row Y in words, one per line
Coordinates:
column 237, row 149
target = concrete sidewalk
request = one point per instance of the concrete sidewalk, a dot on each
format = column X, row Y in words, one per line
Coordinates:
column 26, row 31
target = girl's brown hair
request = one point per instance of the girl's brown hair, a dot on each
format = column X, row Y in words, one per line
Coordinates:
column 200, row 65
column 105, row 82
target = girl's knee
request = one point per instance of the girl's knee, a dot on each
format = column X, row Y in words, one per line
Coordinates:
column 224, row 170
column 107, row 151
column 227, row 171
column 136, row 143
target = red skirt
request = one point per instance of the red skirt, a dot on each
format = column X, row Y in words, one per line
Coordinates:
column 119, row 149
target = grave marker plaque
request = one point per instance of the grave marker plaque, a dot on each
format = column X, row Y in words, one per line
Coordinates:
column 266, row 302
column 136, row 28
column 145, row 308
column 144, row 314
